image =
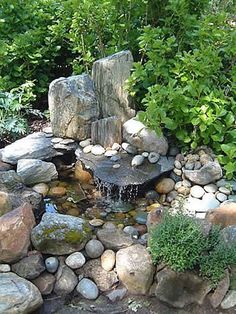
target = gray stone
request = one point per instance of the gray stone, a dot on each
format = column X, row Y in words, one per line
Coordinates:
column 29, row 267
column 138, row 135
column 129, row 148
column 229, row 300
column 117, row 294
column 18, row 295
column 75, row 260
column 232, row 198
column 209, row 173
column 60, row 234
column 180, row 289
column 224, row 190
column 221, row 197
column 109, row 75
column 132, row 231
column 210, row 188
column 85, row 143
column 106, row 131
column 227, row 183
column 88, row 289
column 34, row 171
column 153, row 157
column 94, row 248
column 197, row 191
column 228, row 235
column 137, row 161
column 114, row 239
column 66, row 281
column 51, row 264
column 178, row 164
column 10, row 181
column 97, row 150
column 73, row 106
column 33, row 146
column 135, row 269
column 110, row 153
column 45, row 283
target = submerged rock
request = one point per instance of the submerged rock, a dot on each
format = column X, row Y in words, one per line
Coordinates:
column 60, row 234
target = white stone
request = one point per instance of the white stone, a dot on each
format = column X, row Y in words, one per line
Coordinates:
column 210, row 188
column 145, row 154
column 110, row 153
column 87, row 149
column 153, row 157
column 194, row 205
column 56, row 140
column 197, row 191
column 51, row 264
column 108, row 260
column 4, row 268
column 221, row 197
column 97, row 150
column 85, row 143
column 229, row 300
column 116, row 146
column 137, row 161
column 75, row 260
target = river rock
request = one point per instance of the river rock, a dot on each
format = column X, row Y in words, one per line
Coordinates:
column 209, row 173
column 75, row 260
column 73, row 106
column 81, row 174
column 117, row 294
column 16, row 225
column 109, row 75
column 18, row 295
column 153, row 157
column 137, row 161
column 108, row 260
column 221, row 197
column 60, row 234
column 132, row 231
column 138, row 135
column 52, row 264
column 97, row 150
column 210, row 188
column 5, row 268
column 229, row 300
column 29, row 267
column 197, row 191
column 114, row 239
column 180, row 289
column 87, row 149
column 225, row 215
column 66, row 281
column 105, row 280
column 88, row 289
column 45, row 283
column 34, row 171
column 165, row 185
column 33, row 146
column 94, row 248
column 135, row 269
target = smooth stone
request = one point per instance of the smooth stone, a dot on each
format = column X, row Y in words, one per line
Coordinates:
column 143, row 240
column 4, row 268
column 96, row 222
column 116, row 166
column 209, row 201
column 132, row 231
column 195, row 205
column 45, row 283
column 200, row 215
column 221, row 197
column 153, row 157
column 141, row 218
column 197, row 165
column 67, row 141
column 75, row 260
column 51, row 264
column 178, row 185
column 137, row 161
column 94, row 248
column 57, row 191
column 88, row 289
column 116, row 146
column 129, row 148
column 197, row 191
column 85, row 143
column 108, row 260
column 183, row 190
column 174, row 177
column 47, row 130
column 56, row 140
column 171, row 196
column 115, row 158
column 145, row 154
column 110, row 153
column 97, row 150
column 87, row 149
column 229, row 300
column 41, row 188
column 224, row 190
column 178, row 164
column 210, row 188
column 186, row 183
column 165, row 185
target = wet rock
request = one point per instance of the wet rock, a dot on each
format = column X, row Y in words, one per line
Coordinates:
column 81, row 174
column 114, row 239
column 132, row 231
column 224, row 216
column 51, row 264
column 94, row 248
column 41, row 188
column 60, row 234
column 105, row 280
column 109, row 75
column 33, row 146
column 75, row 260
column 153, row 157
column 165, row 185
column 75, row 97
column 88, row 289
column 66, row 281
column 108, row 260
column 220, row 291
column 138, row 135
column 5, row 203
column 228, row 235
column 45, row 283
column 180, row 289
column 97, row 150
column 29, row 267
column 135, row 269
column 137, row 161
column 57, row 191
column 34, row 171
column 129, row 148
column 197, row 191
column 141, row 217
column 22, row 221
column 209, row 173
column 18, row 295
column 5, row 268
column 229, row 301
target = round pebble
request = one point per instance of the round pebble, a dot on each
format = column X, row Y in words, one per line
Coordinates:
column 41, row 188
column 178, row 164
column 151, row 195
column 87, row 149
column 129, row 148
column 94, row 248
column 116, row 146
column 145, row 154
column 165, row 185
column 197, row 191
column 137, row 161
column 51, row 264
column 178, row 185
column 153, row 157
column 5, row 268
column 186, row 183
column 85, row 143
column 96, row 222
column 197, row 165
column 210, row 188
column 97, row 150
column 75, row 260
column 221, row 197
column 110, row 153
column 183, row 190
column 189, row 166
column 56, row 140
column 57, row 191
column 224, row 190
column 171, row 196
column 116, row 166
column 108, row 260
column 88, row 289
column 178, row 172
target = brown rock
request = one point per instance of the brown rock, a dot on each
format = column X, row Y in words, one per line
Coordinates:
column 15, row 230
column 165, row 185
column 154, row 217
column 224, row 215
column 108, row 260
column 45, row 283
column 57, row 191
column 82, row 175
column 223, row 286
column 5, row 203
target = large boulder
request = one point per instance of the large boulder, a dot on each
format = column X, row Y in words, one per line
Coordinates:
column 180, row 289
column 15, row 229
column 209, row 173
column 18, row 295
column 34, row 171
column 60, row 234
column 36, row 146
column 138, row 135
column 135, row 269
column 225, row 215
column 73, row 106
column 109, row 75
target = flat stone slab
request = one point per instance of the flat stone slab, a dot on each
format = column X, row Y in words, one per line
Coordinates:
column 126, row 175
